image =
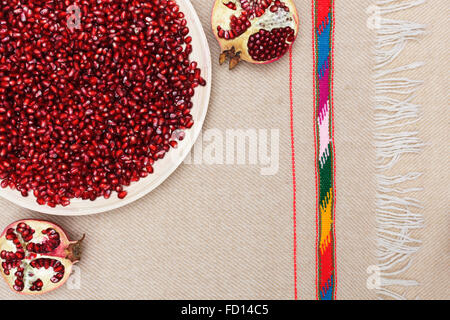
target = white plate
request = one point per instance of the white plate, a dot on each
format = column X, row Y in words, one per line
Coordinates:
column 164, row 167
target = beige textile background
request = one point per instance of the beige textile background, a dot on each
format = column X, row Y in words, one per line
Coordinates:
column 225, row 231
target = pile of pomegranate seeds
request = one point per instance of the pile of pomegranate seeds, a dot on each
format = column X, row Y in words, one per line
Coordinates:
column 86, row 110
column 265, row 45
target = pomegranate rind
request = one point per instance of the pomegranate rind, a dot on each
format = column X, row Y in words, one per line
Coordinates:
column 60, row 253
column 221, row 16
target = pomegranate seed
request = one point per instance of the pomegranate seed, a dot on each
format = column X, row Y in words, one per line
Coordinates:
column 122, row 194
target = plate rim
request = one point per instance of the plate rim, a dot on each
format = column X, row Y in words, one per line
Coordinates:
column 195, row 132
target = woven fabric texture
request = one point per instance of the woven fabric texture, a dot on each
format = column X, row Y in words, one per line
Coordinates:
column 226, row 231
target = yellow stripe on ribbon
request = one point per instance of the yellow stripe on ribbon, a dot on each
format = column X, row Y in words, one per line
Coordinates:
column 326, row 221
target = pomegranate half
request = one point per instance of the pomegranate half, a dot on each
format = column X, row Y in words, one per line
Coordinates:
column 257, row 31
column 36, row 256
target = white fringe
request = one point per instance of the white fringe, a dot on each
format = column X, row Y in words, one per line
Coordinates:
column 395, row 115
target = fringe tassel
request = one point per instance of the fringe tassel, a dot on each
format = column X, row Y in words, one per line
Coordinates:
column 395, row 112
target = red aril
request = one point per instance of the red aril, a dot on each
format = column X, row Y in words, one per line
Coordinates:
column 36, row 256
column 257, row 31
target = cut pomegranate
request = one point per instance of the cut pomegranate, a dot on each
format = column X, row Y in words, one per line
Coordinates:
column 257, row 31
column 36, row 256
column 85, row 111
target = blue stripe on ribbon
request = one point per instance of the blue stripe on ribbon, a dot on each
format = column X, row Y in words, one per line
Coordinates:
column 323, row 43
column 327, row 292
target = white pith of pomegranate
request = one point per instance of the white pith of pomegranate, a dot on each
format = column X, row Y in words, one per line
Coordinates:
column 36, row 256
column 257, row 31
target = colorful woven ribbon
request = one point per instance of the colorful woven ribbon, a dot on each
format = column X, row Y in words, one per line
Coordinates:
column 323, row 19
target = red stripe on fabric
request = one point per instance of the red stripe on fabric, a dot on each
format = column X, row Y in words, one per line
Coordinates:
column 315, row 144
column 294, row 180
column 334, row 151
column 323, row 9
column 326, row 264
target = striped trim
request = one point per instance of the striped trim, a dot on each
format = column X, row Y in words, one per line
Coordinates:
column 323, row 42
